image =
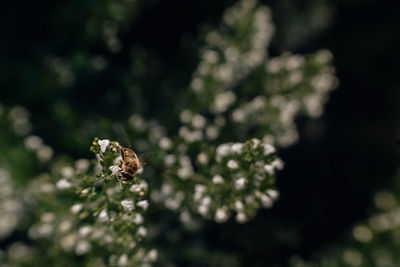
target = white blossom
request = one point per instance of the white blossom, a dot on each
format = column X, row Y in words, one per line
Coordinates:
column 85, row 230
column 123, row 260
column 239, row 205
column 274, row 194
column 82, row 247
column 269, row 169
column 103, row 144
column 199, row 188
column 114, row 169
column 268, row 149
column 76, row 208
column 232, row 164
column 240, row 183
column 241, row 217
column 221, row 215
column 152, row 255
column 203, row 210
column 142, row 231
column 67, row 172
column 266, row 201
column 138, row 219
column 103, row 216
column 63, row 184
column 127, row 204
column 144, row 204
column 165, row 143
column 217, row 179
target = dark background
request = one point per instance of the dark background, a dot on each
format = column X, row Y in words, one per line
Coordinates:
column 330, row 176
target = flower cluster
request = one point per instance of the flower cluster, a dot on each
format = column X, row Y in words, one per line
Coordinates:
column 81, row 213
column 233, row 177
column 11, row 206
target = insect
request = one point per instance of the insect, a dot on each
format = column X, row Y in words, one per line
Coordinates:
column 130, row 165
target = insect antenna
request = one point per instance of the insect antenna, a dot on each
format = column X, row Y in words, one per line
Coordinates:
column 121, row 134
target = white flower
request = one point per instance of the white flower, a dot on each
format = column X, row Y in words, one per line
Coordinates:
column 237, row 147
column 152, row 255
column 44, row 153
column 206, row 201
column 63, row 184
column 269, row 169
column 114, row 169
column 239, row 205
column 127, row 204
column 85, row 230
column 274, row 194
column 165, row 143
column 221, row 215
column 67, row 172
column 278, row 163
column 202, row 158
column 266, row 201
column 33, row 142
column 136, row 188
column 103, row 144
column 75, row 209
column 223, row 150
column 268, row 149
column 144, row 204
column 203, row 210
column 199, row 188
column 198, row 121
column 217, row 179
column 103, row 216
column 82, row 247
column 240, row 183
column 241, row 217
column 232, row 164
column 82, row 165
column 142, row 231
column 138, row 219
column 123, row 260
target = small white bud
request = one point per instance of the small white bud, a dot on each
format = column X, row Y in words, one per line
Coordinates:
column 241, row 217
column 217, row 179
column 239, row 205
column 75, row 209
column 221, row 215
column 63, row 184
column 232, row 164
column 103, row 216
column 274, row 194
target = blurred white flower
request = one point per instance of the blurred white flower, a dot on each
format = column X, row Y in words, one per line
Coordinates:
column 241, row 217
column 232, row 164
column 76, row 208
column 142, row 231
column 144, row 204
column 221, row 215
column 217, row 179
column 103, row 216
column 240, row 183
column 127, row 205
column 82, row 247
column 63, row 184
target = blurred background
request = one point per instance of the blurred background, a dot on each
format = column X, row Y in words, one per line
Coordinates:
column 80, row 67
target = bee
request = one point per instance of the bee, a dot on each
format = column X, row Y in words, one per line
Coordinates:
column 130, row 165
